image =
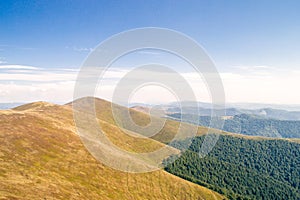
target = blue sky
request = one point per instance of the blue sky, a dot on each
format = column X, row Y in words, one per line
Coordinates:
column 240, row 36
column 47, row 33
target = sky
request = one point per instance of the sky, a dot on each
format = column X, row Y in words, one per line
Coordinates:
column 255, row 46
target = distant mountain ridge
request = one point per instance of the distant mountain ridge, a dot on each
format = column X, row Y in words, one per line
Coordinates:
column 5, row 106
column 264, row 112
column 250, row 106
column 282, row 112
column 248, row 124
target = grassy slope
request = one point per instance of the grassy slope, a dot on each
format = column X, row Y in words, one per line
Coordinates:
column 103, row 112
column 41, row 157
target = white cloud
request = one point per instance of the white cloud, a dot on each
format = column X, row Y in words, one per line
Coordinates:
column 27, row 83
column 272, row 86
column 255, row 67
column 38, row 77
column 52, row 92
column 8, row 67
column 82, row 49
column 35, row 74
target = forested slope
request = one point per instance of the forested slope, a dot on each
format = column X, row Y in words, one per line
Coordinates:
column 243, row 168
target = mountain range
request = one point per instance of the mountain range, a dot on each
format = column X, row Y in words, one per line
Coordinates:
column 43, row 157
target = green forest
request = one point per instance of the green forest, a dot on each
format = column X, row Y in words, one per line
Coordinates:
column 241, row 168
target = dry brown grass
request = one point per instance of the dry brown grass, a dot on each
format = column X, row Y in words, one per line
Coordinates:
column 41, row 157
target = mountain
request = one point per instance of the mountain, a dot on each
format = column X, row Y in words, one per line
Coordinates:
column 264, row 112
column 42, row 157
column 257, row 106
column 281, row 112
column 278, row 114
column 249, row 125
column 239, row 106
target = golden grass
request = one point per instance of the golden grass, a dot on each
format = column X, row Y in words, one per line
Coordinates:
column 41, row 157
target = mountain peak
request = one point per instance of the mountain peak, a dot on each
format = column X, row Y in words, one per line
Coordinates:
column 33, row 106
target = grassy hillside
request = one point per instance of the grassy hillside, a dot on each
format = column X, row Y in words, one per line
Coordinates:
column 103, row 111
column 241, row 181
column 41, row 157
